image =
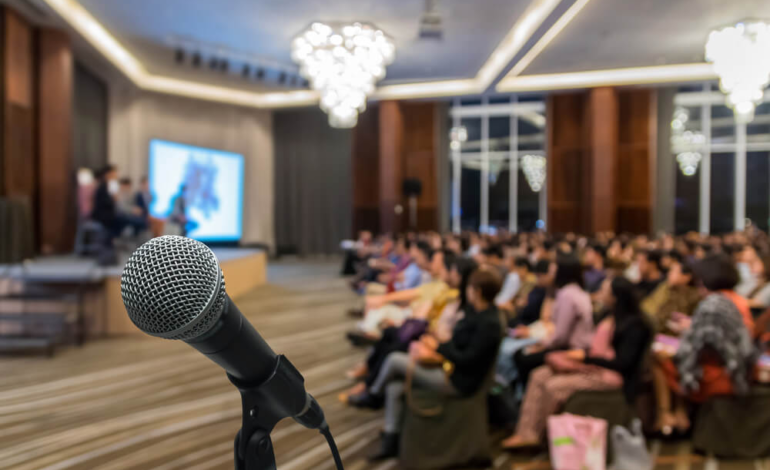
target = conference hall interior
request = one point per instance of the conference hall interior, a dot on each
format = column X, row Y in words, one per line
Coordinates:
column 383, row 235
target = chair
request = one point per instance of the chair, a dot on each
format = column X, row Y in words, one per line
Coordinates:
column 734, row 427
column 91, row 238
column 457, row 437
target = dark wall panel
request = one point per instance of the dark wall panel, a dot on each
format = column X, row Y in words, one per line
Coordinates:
column 313, row 195
column 637, row 120
column 90, row 122
column 366, row 161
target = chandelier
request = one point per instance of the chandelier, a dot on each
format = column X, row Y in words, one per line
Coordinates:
column 741, row 58
column 533, row 167
column 687, row 145
column 343, row 62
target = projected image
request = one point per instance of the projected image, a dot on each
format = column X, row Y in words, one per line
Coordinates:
column 199, row 191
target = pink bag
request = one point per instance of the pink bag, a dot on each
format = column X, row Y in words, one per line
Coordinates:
column 577, row 442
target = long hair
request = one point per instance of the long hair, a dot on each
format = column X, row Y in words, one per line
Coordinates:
column 568, row 271
column 626, row 300
column 465, row 267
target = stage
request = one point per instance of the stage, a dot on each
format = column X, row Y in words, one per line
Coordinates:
column 99, row 309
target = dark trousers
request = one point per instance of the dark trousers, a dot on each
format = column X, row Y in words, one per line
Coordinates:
column 526, row 363
column 389, row 343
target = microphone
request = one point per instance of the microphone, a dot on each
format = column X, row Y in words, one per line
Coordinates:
column 174, row 288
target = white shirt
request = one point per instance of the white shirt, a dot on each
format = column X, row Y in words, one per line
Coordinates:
column 510, row 288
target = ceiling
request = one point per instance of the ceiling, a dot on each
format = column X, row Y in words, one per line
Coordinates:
column 609, row 34
column 488, row 45
column 264, row 30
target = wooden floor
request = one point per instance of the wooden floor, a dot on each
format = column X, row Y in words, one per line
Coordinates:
column 143, row 403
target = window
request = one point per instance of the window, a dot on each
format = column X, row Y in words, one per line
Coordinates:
column 489, row 137
column 723, row 166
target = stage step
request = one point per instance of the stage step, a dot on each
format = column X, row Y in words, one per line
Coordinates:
column 11, row 344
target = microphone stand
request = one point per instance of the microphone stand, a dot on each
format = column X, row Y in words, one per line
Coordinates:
column 281, row 396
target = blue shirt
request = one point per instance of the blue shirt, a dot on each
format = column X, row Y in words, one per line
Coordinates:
column 412, row 277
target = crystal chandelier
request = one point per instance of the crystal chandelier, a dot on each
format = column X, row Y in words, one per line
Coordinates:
column 533, row 167
column 687, row 145
column 741, row 58
column 343, row 62
column 457, row 135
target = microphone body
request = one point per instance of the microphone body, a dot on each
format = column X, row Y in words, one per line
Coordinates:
column 173, row 288
column 237, row 347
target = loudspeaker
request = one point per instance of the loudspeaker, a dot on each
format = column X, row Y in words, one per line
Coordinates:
column 412, row 187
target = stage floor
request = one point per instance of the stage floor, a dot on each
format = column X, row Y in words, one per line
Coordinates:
column 141, row 403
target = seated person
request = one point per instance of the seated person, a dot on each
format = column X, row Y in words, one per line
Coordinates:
column 650, row 271
column 534, row 311
column 392, row 309
column 439, row 321
column 382, row 271
column 518, row 282
column 716, row 354
column 418, row 261
column 572, row 317
column 677, row 294
column 595, row 272
column 457, row 367
column 613, row 362
column 759, row 297
column 105, row 210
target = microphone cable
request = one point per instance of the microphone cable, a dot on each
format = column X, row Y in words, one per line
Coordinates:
column 324, row 429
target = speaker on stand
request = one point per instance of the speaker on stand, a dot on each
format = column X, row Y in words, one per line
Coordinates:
column 412, row 189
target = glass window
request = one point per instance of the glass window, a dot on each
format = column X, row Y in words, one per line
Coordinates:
column 499, row 190
column 531, row 132
column 473, row 128
column 722, row 125
column 470, row 194
column 528, row 205
column 499, row 134
column 722, row 192
column 758, row 130
column 500, row 100
column 757, row 188
column 687, row 202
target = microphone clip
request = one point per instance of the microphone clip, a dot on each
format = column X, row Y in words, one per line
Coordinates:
column 281, row 396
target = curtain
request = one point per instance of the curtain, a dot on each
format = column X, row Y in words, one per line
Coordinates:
column 313, row 200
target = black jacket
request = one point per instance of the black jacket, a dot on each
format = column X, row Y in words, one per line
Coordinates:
column 104, row 206
column 531, row 312
column 631, row 341
column 473, row 349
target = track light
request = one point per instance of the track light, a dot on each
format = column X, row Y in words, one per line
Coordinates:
column 282, row 78
column 305, row 83
column 213, row 63
column 179, row 55
column 293, row 80
column 260, row 74
column 196, row 59
column 246, row 71
column 224, row 65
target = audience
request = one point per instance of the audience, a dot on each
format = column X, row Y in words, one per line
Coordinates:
column 429, row 331
column 457, row 367
column 106, row 209
column 572, row 318
column 614, row 361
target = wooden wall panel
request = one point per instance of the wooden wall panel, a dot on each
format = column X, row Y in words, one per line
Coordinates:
column 636, row 156
column 391, row 166
column 365, row 170
column 18, row 149
column 56, row 175
column 420, row 155
column 566, row 151
column 601, row 187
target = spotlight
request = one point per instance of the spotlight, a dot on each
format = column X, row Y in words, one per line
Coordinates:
column 179, row 55
column 213, row 63
column 224, row 65
column 196, row 59
column 246, row 71
column 260, row 73
column 282, row 78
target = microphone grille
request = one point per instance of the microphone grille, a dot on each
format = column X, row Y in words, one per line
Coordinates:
column 173, row 288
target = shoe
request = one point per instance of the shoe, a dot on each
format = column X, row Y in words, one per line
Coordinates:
column 388, row 448
column 356, row 313
column 360, row 339
column 366, row 400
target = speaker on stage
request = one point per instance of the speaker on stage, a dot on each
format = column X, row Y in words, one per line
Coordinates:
column 412, row 189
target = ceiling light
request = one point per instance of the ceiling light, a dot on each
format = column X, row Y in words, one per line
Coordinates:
column 686, row 145
column 260, row 74
column 213, row 63
column 246, row 71
column 533, row 167
column 224, row 65
column 343, row 62
column 741, row 58
column 457, row 135
column 282, row 78
column 179, row 55
column 196, row 59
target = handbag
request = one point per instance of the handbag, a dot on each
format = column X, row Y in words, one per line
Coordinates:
column 577, row 442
